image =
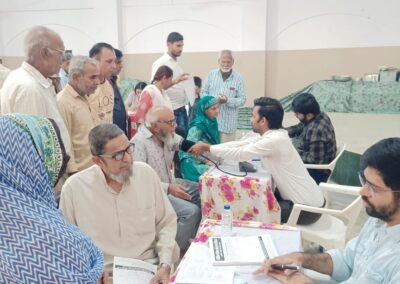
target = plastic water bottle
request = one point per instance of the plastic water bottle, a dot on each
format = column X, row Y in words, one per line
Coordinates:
column 226, row 218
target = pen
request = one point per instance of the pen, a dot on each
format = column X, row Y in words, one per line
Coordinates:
column 285, row 266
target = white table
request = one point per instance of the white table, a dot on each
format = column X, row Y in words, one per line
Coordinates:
column 197, row 260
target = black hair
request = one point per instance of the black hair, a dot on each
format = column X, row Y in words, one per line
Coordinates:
column 384, row 157
column 306, row 103
column 174, row 37
column 272, row 110
column 96, row 49
column 118, row 53
column 197, row 81
column 140, row 86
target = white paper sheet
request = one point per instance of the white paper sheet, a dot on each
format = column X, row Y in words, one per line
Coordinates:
column 198, row 269
column 132, row 271
column 241, row 250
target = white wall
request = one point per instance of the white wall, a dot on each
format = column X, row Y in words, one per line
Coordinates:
column 80, row 23
column 206, row 25
column 141, row 26
column 316, row 24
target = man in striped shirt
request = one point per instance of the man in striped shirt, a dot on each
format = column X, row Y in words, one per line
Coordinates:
column 228, row 86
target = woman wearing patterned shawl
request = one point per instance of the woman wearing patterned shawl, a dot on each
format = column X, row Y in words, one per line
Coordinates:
column 36, row 244
column 204, row 127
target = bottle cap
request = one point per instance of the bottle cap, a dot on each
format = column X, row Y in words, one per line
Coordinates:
column 227, row 207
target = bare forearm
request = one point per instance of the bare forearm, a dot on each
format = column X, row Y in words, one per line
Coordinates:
column 320, row 262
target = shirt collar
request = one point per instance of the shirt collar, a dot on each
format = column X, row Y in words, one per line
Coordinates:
column 72, row 91
column 45, row 82
column 392, row 232
column 145, row 131
column 170, row 58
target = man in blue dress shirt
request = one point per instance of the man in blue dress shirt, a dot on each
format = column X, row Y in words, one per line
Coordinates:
column 373, row 256
column 227, row 86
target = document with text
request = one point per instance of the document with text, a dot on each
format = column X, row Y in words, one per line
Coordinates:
column 197, row 268
column 132, row 271
column 241, row 250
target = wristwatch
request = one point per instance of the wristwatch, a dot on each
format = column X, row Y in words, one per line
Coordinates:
column 164, row 265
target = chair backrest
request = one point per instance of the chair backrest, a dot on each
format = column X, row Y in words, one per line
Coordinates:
column 339, row 153
column 350, row 216
column 331, row 165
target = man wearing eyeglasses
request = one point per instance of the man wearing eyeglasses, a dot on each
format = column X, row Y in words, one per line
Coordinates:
column 374, row 255
column 155, row 144
column 29, row 89
column 120, row 204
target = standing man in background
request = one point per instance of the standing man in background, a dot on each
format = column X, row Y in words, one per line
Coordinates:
column 29, row 89
column 63, row 74
column 75, row 110
column 102, row 101
column 228, row 87
column 182, row 91
column 119, row 112
column 4, row 71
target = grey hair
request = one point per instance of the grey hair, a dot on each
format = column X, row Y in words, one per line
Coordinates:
column 225, row 51
column 78, row 63
column 152, row 116
column 100, row 135
column 37, row 38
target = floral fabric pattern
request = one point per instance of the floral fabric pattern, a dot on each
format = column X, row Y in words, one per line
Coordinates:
column 250, row 198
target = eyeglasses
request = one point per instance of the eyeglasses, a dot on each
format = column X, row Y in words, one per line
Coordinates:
column 62, row 52
column 372, row 189
column 118, row 156
column 171, row 122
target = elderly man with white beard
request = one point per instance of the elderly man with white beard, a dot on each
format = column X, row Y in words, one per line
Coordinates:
column 119, row 203
column 155, row 144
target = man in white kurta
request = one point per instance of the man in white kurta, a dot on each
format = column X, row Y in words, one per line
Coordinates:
column 28, row 89
column 278, row 155
column 120, row 204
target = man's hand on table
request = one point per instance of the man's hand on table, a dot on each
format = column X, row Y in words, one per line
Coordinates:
column 199, row 148
column 162, row 276
column 178, row 191
column 285, row 276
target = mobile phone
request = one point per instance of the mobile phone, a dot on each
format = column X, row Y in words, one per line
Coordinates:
column 285, row 266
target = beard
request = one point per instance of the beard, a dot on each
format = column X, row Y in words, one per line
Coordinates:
column 383, row 213
column 226, row 69
column 168, row 139
column 122, row 177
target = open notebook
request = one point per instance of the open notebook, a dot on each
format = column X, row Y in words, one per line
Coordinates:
column 241, row 250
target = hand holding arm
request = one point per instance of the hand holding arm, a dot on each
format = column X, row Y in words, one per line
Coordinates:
column 199, row 148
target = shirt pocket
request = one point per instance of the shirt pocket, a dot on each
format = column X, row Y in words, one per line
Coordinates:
column 142, row 223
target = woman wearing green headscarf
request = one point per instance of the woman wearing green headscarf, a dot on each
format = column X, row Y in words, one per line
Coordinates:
column 203, row 128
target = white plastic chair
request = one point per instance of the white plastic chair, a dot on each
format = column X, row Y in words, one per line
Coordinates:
column 335, row 227
column 331, row 165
